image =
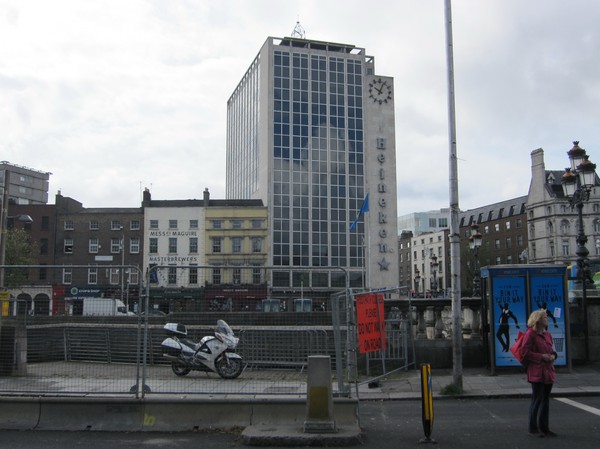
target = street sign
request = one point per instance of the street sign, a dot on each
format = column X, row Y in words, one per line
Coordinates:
column 370, row 322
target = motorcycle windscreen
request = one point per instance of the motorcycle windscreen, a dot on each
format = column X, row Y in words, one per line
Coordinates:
column 223, row 328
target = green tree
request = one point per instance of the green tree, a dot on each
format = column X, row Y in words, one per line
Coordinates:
column 19, row 250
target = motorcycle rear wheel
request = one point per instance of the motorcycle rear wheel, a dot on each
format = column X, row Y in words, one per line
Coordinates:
column 229, row 367
column 179, row 369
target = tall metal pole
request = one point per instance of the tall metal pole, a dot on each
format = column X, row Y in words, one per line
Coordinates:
column 123, row 265
column 457, row 354
column 578, row 182
column 3, row 224
column 582, row 264
column 477, row 274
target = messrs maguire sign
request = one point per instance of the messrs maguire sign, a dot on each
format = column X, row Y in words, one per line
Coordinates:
column 370, row 322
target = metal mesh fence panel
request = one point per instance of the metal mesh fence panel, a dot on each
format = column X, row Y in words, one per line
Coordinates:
column 76, row 338
column 278, row 347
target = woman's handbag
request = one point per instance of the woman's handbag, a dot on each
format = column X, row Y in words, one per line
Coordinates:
column 517, row 347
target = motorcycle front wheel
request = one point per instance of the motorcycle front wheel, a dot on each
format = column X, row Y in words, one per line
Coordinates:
column 228, row 367
column 179, row 369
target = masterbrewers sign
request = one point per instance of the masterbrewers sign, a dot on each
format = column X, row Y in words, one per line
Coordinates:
column 370, row 322
column 515, row 292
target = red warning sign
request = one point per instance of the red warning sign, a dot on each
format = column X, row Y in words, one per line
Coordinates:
column 370, row 322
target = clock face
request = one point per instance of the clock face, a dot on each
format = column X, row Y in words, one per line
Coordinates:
column 380, row 91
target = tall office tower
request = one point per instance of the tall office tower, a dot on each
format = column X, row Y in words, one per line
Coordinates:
column 310, row 131
column 24, row 185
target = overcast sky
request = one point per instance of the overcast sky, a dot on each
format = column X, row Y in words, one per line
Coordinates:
column 111, row 96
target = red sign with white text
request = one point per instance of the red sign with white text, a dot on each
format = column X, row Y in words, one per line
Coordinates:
column 370, row 322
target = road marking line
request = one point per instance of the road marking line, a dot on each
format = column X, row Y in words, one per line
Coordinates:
column 587, row 408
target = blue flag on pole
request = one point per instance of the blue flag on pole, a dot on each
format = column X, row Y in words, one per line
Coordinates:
column 363, row 209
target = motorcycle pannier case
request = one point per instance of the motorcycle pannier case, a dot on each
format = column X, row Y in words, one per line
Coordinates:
column 171, row 347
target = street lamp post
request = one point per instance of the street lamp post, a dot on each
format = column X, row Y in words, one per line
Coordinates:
column 475, row 240
column 417, row 281
column 434, row 269
column 122, row 273
column 577, row 182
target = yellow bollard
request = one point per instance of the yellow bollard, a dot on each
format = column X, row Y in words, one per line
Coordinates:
column 426, row 403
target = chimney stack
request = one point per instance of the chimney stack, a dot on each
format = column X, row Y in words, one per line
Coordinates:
column 146, row 197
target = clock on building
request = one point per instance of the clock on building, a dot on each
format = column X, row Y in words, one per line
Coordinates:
column 380, row 91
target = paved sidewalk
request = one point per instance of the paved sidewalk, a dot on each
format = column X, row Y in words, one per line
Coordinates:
column 478, row 382
column 87, row 379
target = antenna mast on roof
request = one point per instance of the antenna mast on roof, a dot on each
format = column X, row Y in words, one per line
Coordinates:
column 299, row 31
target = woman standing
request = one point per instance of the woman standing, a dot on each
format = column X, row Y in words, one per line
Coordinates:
column 539, row 356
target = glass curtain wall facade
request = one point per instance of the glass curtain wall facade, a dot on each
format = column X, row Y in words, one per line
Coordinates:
column 310, row 165
column 242, row 157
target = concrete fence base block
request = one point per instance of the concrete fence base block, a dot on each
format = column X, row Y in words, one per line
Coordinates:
column 166, row 414
column 73, row 414
column 188, row 415
column 19, row 413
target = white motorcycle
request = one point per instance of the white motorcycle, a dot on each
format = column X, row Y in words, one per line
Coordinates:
column 209, row 354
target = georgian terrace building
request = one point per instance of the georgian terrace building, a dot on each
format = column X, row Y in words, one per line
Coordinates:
column 204, row 254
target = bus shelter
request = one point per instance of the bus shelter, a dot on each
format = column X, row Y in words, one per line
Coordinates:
column 510, row 293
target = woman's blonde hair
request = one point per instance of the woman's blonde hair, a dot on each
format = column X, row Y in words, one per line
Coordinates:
column 535, row 318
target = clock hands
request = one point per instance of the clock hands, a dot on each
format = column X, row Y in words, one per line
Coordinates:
column 381, row 96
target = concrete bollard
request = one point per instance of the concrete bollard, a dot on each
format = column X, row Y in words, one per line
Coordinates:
column 319, row 400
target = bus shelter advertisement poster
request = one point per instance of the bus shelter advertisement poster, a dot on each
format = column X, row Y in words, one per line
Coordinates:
column 509, row 312
column 547, row 293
